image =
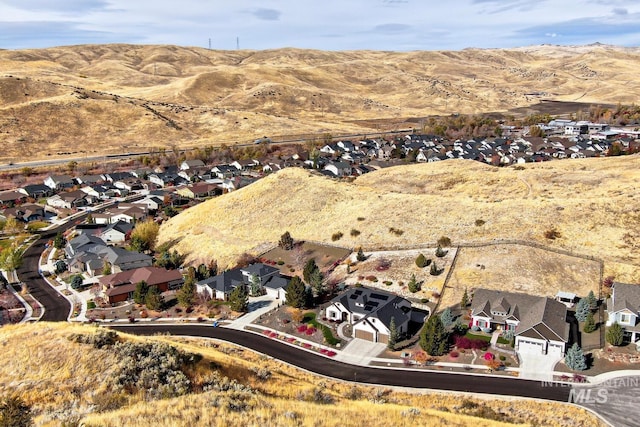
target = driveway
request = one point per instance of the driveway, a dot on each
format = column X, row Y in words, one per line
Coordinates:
column 537, row 366
column 360, row 352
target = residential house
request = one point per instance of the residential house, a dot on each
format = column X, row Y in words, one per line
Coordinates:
column 220, row 286
column 59, row 182
column 69, row 200
column 120, row 287
column 89, row 179
column 26, row 212
column 370, row 311
column 338, row 169
column 245, row 165
column 116, row 232
column 623, row 307
column 199, row 190
column 539, row 324
column 11, row 198
column 36, row 191
column 191, row 164
column 225, row 171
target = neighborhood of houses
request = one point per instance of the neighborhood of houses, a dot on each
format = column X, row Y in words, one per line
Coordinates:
column 538, row 325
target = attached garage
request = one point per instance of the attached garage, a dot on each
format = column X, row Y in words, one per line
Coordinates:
column 556, row 350
column 365, row 335
column 527, row 346
column 383, row 338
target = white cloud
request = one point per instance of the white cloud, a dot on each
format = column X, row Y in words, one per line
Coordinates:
column 326, row 24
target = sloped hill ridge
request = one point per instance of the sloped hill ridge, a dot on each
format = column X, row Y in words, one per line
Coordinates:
column 234, row 96
column 593, row 203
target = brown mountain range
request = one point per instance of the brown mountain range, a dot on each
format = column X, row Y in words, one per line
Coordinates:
column 112, row 98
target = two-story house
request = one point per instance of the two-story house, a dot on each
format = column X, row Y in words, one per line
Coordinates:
column 623, row 307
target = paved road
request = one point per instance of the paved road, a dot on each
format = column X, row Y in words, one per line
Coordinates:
column 390, row 377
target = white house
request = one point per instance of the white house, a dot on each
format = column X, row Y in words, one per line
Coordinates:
column 370, row 311
column 623, row 307
column 539, row 324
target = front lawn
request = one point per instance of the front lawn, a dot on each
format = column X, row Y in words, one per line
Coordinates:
column 310, row 318
column 472, row 336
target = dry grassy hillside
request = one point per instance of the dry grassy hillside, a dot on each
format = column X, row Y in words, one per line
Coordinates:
column 68, row 383
column 229, row 96
column 592, row 203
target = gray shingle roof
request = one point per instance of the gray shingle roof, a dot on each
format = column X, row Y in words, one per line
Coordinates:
column 374, row 303
column 625, row 296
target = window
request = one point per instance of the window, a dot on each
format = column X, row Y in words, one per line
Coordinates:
column 625, row 318
column 332, row 314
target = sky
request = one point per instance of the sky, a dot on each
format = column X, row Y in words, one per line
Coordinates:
column 391, row 25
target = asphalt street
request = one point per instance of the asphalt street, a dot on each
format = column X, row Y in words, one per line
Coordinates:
column 362, row 374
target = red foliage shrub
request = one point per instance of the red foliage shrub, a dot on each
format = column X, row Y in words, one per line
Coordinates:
column 310, row 330
column 454, row 354
column 302, row 328
column 466, row 343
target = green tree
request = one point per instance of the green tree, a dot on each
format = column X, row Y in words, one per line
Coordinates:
column 187, row 293
column 360, row 256
column 615, row 335
column 440, row 252
column 76, row 281
column 434, row 270
column 140, row 292
column 421, row 261
column 582, row 309
column 393, row 334
column 286, row 241
column 575, row 358
column 296, row 293
column 239, row 299
column 59, row 241
column 446, row 317
column 589, row 323
column 433, row 338
column 315, row 281
column 14, row 412
column 309, row 268
column 464, row 301
column 593, row 301
column 153, row 299
column 413, row 284
column 255, row 284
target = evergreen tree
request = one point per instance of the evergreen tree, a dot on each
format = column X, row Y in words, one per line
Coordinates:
column 76, row 281
column 296, row 293
column 59, row 241
column 464, row 302
column 413, row 285
column 360, row 256
column 393, row 334
column 433, row 338
column 446, row 317
column 593, row 301
column 434, row 271
column 286, row 241
column 615, row 335
column 308, row 270
column 575, row 358
column 255, row 285
column 589, row 323
column 440, row 252
column 153, row 299
column 239, row 299
column 140, row 293
column 582, row 309
column 421, row 261
column 187, row 293
column 315, row 281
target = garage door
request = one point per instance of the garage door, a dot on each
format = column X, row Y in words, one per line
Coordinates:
column 525, row 346
column 364, row 335
column 383, row 338
column 555, row 350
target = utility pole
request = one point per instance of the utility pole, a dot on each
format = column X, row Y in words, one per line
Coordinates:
column 209, row 43
column 237, row 43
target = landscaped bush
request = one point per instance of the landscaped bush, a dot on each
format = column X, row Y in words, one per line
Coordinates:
column 503, row 358
column 454, row 354
column 302, row 328
column 310, row 331
column 471, row 344
column 383, row 264
column 280, row 262
column 91, row 305
column 354, row 232
column 372, row 278
column 489, row 356
column 336, row 236
column 424, row 300
column 388, row 282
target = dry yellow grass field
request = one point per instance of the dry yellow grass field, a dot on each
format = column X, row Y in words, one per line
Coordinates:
column 61, row 379
column 93, row 98
column 593, row 203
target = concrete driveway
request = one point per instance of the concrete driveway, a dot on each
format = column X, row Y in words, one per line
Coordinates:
column 537, row 366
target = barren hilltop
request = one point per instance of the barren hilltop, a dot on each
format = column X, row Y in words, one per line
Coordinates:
column 118, row 98
column 592, row 204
